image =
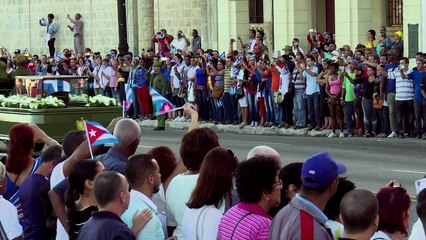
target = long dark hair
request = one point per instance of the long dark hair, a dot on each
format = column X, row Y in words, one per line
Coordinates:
column 81, row 171
column 216, row 178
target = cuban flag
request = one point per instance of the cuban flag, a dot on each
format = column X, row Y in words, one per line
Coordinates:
column 129, row 97
column 52, row 86
column 58, row 56
column 162, row 105
column 98, row 135
column 222, row 55
column 26, row 52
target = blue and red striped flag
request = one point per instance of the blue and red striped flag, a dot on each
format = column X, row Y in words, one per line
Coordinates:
column 162, row 105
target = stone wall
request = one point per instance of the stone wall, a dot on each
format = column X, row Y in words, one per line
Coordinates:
column 20, row 23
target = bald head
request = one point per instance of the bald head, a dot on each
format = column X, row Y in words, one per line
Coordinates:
column 264, row 151
column 359, row 210
column 128, row 132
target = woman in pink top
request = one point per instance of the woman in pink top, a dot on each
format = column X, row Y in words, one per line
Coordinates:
column 334, row 90
column 113, row 81
column 259, row 190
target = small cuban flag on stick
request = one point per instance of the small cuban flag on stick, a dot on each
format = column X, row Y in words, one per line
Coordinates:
column 26, row 52
column 129, row 98
column 98, row 135
column 222, row 55
column 58, row 56
column 161, row 104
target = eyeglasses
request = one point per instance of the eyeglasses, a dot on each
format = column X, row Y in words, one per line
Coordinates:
column 279, row 183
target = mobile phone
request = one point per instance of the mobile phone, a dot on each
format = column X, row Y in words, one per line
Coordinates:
column 311, row 30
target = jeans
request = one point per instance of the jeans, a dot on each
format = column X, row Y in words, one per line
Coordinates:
column 115, row 94
column 287, row 108
column 253, row 108
column 230, row 104
column 202, row 105
column 418, row 113
column 107, row 92
column 51, row 44
column 370, row 114
column 300, row 108
column 136, row 107
column 384, row 120
column 269, row 100
column 314, row 109
column 350, row 116
column 218, row 109
column 277, row 110
column 404, row 112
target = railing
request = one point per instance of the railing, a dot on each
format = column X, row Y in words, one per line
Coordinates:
column 395, row 16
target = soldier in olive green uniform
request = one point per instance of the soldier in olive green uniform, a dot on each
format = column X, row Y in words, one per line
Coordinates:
column 159, row 83
column 20, row 70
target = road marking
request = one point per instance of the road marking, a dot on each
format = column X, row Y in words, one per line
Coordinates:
column 143, row 146
column 408, row 171
column 260, row 143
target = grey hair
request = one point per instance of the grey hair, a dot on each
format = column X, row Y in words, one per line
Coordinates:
column 127, row 131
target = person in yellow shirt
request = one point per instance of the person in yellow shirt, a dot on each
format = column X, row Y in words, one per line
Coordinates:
column 372, row 42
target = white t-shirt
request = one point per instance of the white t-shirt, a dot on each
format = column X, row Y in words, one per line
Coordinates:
column 56, row 177
column 175, row 80
column 201, row 221
column 97, row 72
column 336, row 228
column 417, row 232
column 159, row 200
column 179, row 44
column 192, row 71
column 103, row 80
column 9, row 219
column 178, row 194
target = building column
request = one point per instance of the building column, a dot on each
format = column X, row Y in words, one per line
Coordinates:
column 233, row 19
column 145, row 23
column 204, row 25
column 292, row 18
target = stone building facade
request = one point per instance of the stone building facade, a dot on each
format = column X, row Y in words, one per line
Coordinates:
column 216, row 20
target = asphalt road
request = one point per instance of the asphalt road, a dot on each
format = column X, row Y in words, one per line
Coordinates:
column 370, row 162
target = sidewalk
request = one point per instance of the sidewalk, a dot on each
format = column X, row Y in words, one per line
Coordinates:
column 246, row 130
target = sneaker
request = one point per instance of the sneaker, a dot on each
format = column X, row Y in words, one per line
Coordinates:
column 350, row 135
column 252, row 124
column 332, row 135
column 182, row 119
column 392, row 135
column 424, row 136
column 256, row 124
column 341, row 135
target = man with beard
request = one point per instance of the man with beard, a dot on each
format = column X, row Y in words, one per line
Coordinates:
column 143, row 174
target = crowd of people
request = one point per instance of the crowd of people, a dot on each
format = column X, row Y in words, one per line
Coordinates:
column 370, row 90
column 206, row 194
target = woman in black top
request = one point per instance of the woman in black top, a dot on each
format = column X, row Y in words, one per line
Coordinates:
column 80, row 199
column 371, row 88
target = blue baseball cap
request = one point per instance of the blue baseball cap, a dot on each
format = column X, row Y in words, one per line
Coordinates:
column 320, row 169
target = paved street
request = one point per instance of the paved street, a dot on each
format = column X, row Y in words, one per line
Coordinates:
column 370, row 162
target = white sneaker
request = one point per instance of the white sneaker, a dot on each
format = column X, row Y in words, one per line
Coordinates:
column 252, row 124
column 256, row 124
column 392, row 135
column 181, row 119
column 332, row 135
column 341, row 135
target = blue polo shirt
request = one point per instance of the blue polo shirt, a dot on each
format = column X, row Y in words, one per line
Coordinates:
column 33, row 196
column 113, row 160
column 391, row 82
column 417, row 79
column 105, row 225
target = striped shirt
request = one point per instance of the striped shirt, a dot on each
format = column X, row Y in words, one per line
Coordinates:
column 245, row 221
column 404, row 87
column 228, row 79
column 299, row 84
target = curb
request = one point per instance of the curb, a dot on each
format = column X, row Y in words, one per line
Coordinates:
column 246, row 130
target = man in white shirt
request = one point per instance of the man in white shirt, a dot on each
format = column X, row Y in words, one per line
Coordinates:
column 143, row 175
column 175, row 79
column 96, row 74
column 192, row 69
column 105, row 75
column 180, row 43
